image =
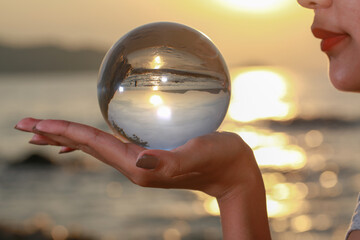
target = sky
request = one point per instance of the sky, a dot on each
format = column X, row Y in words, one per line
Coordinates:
column 275, row 35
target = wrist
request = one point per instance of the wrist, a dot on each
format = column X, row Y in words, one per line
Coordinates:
column 243, row 212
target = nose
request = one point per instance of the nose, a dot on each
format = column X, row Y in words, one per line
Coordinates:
column 314, row 4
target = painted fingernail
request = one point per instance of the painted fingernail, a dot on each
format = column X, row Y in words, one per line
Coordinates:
column 38, row 142
column 147, row 162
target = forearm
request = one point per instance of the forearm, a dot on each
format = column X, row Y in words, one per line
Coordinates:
column 244, row 215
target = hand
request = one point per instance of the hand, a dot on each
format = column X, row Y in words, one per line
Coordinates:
column 215, row 163
column 219, row 164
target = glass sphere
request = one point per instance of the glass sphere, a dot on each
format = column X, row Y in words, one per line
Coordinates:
column 162, row 84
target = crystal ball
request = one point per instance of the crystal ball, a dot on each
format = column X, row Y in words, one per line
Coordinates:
column 162, row 84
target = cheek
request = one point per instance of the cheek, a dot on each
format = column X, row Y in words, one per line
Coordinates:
column 344, row 69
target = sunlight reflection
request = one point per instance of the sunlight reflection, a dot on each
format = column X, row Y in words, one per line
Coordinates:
column 279, row 209
column 314, row 138
column 211, row 206
column 328, row 179
column 259, row 138
column 156, row 100
column 261, row 93
column 275, row 208
column 273, row 150
column 283, row 191
column 301, row 223
column 157, row 62
column 279, row 157
column 284, row 198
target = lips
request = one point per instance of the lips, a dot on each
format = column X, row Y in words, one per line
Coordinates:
column 329, row 39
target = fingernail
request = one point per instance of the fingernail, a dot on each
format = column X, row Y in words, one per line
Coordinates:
column 18, row 128
column 35, row 130
column 38, row 142
column 147, row 162
column 65, row 150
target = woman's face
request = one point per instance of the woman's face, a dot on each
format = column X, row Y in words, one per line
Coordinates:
column 337, row 23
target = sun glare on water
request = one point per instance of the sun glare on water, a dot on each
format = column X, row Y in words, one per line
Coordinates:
column 260, row 93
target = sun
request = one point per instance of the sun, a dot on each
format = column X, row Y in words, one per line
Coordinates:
column 256, row 5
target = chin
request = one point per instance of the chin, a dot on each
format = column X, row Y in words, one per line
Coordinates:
column 346, row 78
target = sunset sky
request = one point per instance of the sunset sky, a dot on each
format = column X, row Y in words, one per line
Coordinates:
column 275, row 33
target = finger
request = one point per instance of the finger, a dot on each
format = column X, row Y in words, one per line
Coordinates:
column 38, row 139
column 27, row 124
column 164, row 169
column 43, row 140
column 200, row 160
column 102, row 145
column 66, row 150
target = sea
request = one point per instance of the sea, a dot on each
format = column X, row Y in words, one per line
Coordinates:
column 304, row 133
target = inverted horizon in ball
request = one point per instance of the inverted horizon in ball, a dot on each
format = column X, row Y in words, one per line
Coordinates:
column 162, row 84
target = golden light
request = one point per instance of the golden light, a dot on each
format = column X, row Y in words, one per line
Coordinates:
column 281, row 191
column 275, row 208
column 261, row 93
column 156, row 100
column 301, row 223
column 280, row 209
column 157, row 62
column 286, row 191
column 211, row 206
column 314, row 138
column 259, row 138
column 280, row 157
column 272, row 150
column 328, row 179
column 171, row 234
column 256, row 5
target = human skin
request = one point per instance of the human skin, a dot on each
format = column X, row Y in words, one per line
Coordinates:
column 341, row 43
column 219, row 164
column 342, row 19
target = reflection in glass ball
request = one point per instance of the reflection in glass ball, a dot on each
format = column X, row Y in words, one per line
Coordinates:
column 162, row 84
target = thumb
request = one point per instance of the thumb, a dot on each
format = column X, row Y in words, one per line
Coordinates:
column 161, row 160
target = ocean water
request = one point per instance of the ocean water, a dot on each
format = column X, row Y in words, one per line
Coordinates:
column 310, row 165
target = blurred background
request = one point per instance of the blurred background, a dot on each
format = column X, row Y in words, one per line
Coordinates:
column 304, row 133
